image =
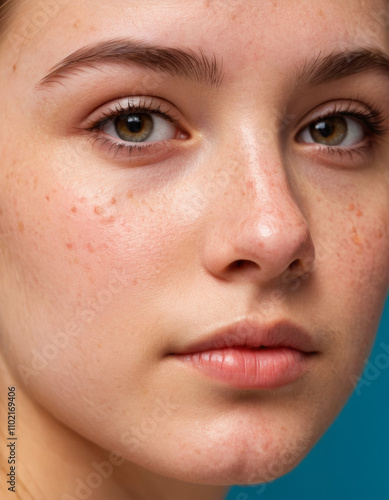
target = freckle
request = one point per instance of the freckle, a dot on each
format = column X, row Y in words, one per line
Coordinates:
column 47, row 197
column 21, row 227
column 380, row 234
column 356, row 238
column 90, row 248
column 351, row 207
column 113, row 201
column 98, row 210
column 135, row 282
column 129, row 194
column 99, row 346
column 107, row 220
column 69, row 245
column 74, row 209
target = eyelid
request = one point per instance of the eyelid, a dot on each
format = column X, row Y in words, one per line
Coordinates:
column 140, row 152
column 353, row 109
column 125, row 105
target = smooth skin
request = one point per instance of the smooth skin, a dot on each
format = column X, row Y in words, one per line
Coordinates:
column 111, row 262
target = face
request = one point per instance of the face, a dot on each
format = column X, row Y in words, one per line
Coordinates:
column 145, row 208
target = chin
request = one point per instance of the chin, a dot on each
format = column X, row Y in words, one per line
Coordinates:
column 219, row 457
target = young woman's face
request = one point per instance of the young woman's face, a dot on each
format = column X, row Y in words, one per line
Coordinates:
column 150, row 200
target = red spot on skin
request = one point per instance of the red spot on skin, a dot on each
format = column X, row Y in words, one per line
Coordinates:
column 113, row 201
column 14, row 68
column 21, row 227
column 129, row 194
column 47, row 197
column 69, row 245
column 74, row 209
column 355, row 236
column 351, row 207
column 107, row 220
column 90, row 248
column 359, row 213
column 380, row 234
column 98, row 210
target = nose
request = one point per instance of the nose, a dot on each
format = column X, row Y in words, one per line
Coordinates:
column 257, row 231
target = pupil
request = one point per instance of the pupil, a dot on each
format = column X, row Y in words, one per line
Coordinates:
column 135, row 124
column 325, row 129
column 134, row 127
column 331, row 131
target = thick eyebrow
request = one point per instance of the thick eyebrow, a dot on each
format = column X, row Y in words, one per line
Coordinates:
column 195, row 66
column 338, row 65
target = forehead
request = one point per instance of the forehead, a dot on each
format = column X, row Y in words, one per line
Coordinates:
column 254, row 29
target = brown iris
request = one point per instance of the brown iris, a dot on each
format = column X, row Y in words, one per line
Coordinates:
column 330, row 131
column 135, row 127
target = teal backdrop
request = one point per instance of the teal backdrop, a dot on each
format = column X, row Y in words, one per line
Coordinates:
column 351, row 461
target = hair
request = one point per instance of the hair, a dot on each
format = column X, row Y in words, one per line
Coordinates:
column 7, row 10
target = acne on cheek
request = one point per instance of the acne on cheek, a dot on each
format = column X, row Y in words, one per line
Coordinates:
column 366, row 246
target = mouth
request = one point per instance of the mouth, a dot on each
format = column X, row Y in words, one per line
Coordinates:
column 248, row 355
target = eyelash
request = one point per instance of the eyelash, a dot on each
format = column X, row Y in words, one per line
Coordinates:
column 151, row 107
column 372, row 118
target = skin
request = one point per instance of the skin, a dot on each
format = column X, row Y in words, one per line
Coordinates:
column 129, row 260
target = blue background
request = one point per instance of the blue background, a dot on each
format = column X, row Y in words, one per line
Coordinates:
column 351, row 461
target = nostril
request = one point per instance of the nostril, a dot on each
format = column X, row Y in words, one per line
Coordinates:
column 296, row 265
column 242, row 263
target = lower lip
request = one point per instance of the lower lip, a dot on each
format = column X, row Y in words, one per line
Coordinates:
column 249, row 368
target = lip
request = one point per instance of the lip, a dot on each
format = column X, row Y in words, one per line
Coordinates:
column 250, row 355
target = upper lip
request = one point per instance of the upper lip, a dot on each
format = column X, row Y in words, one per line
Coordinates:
column 252, row 335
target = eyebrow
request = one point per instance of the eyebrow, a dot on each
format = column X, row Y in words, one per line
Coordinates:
column 200, row 68
column 188, row 64
column 338, row 65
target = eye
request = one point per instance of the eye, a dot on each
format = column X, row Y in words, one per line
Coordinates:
column 140, row 127
column 333, row 131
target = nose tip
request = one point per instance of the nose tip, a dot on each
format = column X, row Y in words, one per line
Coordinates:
column 261, row 242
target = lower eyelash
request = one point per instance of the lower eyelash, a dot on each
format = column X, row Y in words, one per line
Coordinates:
column 114, row 148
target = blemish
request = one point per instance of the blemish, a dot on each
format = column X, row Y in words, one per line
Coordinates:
column 74, row 209
column 47, row 197
column 98, row 210
column 107, row 220
column 69, row 246
column 99, row 346
column 21, row 227
column 351, row 207
column 113, row 201
column 359, row 213
column 90, row 248
column 129, row 194
column 14, row 67
column 380, row 234
column 355, row 236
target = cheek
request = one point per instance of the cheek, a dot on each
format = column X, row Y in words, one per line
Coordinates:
column 354, row 268
column 73, row 265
